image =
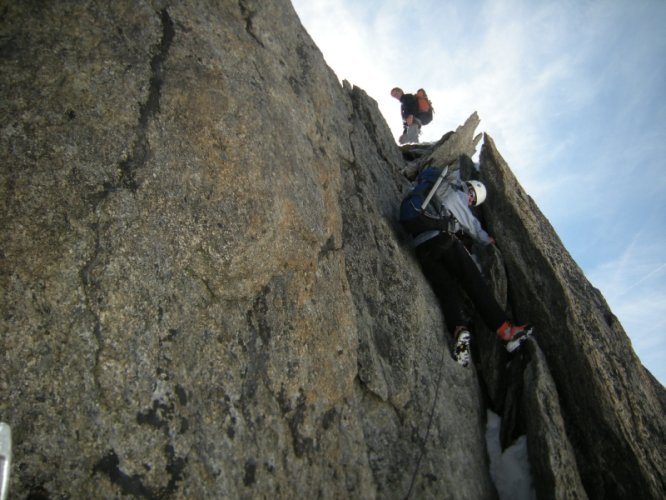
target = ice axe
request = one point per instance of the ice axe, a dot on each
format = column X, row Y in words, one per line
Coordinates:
column 439, row 180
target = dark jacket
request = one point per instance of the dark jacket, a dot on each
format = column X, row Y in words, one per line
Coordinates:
column 409, row 105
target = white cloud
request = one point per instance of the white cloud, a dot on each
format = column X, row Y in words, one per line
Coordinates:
column 633, row 285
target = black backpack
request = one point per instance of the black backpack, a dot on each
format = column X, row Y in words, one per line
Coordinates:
column 413, row 217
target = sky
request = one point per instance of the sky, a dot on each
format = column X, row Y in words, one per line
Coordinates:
column 573, row 92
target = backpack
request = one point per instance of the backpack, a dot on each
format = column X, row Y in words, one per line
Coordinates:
column 425, row 107
column 413, row 218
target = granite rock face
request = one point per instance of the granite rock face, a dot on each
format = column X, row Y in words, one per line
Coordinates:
column 206, row 294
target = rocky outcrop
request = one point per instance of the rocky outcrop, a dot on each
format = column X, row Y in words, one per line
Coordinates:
column 206, row 293
column 612, row 407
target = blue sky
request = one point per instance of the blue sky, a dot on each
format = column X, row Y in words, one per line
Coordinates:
column 574, row 94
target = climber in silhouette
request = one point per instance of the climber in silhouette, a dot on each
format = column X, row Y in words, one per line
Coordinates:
column 448, row 266
column 409, row 109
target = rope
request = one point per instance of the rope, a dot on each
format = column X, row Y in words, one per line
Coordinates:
column 427, row 434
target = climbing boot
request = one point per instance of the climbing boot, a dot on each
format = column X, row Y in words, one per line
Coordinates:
column 513, row 335
column 461, row 352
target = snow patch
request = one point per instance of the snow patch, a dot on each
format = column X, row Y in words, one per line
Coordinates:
column 510, row 471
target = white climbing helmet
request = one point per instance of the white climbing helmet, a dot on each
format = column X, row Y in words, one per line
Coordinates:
column 480, row 192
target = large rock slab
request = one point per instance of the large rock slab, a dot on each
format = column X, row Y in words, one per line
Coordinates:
column 205, row 293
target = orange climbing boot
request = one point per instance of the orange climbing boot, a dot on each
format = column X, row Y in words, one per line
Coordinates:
column 513, row 336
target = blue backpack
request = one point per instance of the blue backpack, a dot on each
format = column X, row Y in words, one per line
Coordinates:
column 415, row 219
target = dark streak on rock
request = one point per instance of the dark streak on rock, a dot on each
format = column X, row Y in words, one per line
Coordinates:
column 248, row 15
column 129, row 485
column 141, row 149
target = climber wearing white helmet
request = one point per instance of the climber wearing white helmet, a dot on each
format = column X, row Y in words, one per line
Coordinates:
column 447, row 264
column 477, row 193
column 457, row 197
